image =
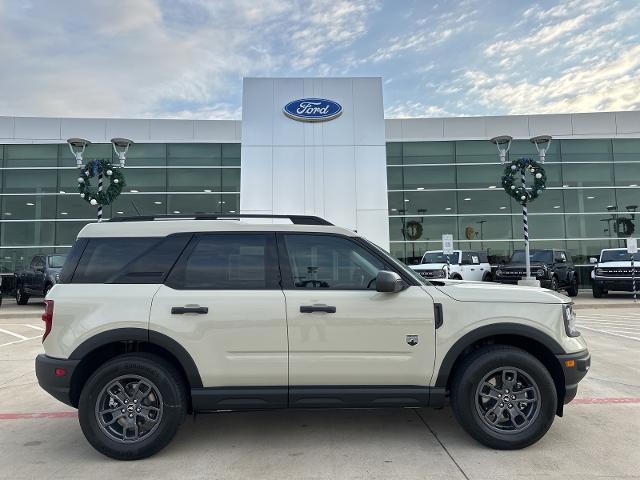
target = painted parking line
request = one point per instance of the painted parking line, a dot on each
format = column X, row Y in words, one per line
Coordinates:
column 19, row 341
column 609, row 333
column 17, row 335
column 35, row 327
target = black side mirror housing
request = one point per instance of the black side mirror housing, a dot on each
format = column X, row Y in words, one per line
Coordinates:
column 389, row 282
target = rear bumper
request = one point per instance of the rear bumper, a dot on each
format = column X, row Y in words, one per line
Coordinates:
column 573, row 374
column 50, row 375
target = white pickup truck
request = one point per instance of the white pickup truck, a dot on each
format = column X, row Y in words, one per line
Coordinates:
column 613, row 272
column 463, row 265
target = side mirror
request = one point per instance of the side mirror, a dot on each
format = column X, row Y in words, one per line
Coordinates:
column 389, row 282
column 593, row 260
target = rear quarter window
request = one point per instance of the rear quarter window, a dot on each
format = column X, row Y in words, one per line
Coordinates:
column 103, row 258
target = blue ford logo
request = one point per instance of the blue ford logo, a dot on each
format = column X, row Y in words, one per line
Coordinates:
column 312, row 110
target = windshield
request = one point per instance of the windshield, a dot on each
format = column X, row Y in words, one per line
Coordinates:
column 56, row 261
column 615, row 256
column 439, row 257
column 541, row 256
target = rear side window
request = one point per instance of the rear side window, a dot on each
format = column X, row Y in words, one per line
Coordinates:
column 104, row 257
column 228, row 262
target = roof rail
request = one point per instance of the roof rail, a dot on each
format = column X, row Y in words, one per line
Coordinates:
column 295, row 219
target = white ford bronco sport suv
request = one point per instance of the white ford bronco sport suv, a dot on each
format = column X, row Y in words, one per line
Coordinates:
column 462, row 265
column 155, row 318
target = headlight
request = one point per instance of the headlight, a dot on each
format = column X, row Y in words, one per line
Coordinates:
column 439, row 273
column 540, row 272
column 599, row 271
column 569, row 320
column 499, row 273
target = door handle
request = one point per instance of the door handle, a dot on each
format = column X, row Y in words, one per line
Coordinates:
column 194, row 309
column 317, row 308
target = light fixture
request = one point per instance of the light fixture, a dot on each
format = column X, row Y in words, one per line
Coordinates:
column 232, row 211
column 467, row 199
column 77, row 147
column 556, row 206
column 62, row 191
column 119, row 213
column 406, row 200
column 394, row 209
column 30, row 204
column 176, row 211
column 64, row 213
column 503, row 208
column 491, row 187
column 133, row 191
column 448, row 209
column 502, row 143
column 206, row 190
column 542, row 143
column 7, row 213
column 121, row 147
column 633, row 185
column 590, row 198
column 565, row 186
column 158, row 202
column 420, row 188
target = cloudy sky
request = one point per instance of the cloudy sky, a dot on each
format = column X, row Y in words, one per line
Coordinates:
column 186, row 58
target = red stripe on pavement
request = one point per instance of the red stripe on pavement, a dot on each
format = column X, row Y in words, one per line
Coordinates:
column 28, row 416
column 591, row 401
column 33, row 416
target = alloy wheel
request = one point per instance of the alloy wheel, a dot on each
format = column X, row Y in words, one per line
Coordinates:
column 507, row 400
column 129, row 408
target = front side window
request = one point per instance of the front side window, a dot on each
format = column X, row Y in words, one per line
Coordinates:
column 228, row 262
column 330, row 262
column 439, row 257
column 56, row 261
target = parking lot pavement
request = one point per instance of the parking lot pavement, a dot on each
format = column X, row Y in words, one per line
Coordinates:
column 597, row 437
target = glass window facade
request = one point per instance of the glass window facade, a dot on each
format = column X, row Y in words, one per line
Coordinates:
column 41, row 211
column 593, row 193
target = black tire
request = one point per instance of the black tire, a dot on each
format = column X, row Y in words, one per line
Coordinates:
column 487, row 277
column 172, row 399
column 597, row 290
column 21, row 297
column 455, row 276
column 554, row 284
column 572, row 289
column 467, row 408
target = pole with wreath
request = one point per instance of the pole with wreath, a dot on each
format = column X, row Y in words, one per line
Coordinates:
column 101, row 168
column 516, row 170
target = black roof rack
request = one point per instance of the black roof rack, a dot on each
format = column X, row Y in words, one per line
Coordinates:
column 295, row 219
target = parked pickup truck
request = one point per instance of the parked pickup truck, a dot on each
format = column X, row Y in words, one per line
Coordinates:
column 462, row 265
column 613, row 272
column 38, row 279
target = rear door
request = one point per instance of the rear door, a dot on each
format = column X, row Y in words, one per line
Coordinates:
column 223, row 303
column 342, row 332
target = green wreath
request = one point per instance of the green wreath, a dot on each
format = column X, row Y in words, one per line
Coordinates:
column 511, row 180
column 413, row 230
column 107, row 195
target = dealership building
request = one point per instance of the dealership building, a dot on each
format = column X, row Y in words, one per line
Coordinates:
column 402, row 183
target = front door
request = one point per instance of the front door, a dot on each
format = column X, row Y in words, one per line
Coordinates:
column 342, row 332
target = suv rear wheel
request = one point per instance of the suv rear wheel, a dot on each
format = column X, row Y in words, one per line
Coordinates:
column 504, row 397
column 132, row 406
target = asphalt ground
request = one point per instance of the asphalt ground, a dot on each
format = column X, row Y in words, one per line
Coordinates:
column 598, row 437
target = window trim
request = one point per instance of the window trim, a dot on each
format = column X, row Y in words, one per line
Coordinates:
column 175, row 277
column 285, row 265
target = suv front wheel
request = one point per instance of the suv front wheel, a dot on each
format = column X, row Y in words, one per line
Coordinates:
column 504, row 397
column 132, row 406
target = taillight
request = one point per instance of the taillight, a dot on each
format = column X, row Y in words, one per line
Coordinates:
column 47, row 318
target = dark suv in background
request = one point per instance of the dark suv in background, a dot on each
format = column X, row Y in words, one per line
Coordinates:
column 553, row 268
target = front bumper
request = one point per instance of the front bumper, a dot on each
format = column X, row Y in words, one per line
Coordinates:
column 574, row 367
column 622, row 284
column 49, row 372
column 544, row 282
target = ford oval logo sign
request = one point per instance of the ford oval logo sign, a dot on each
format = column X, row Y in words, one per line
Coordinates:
column 312, row 110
